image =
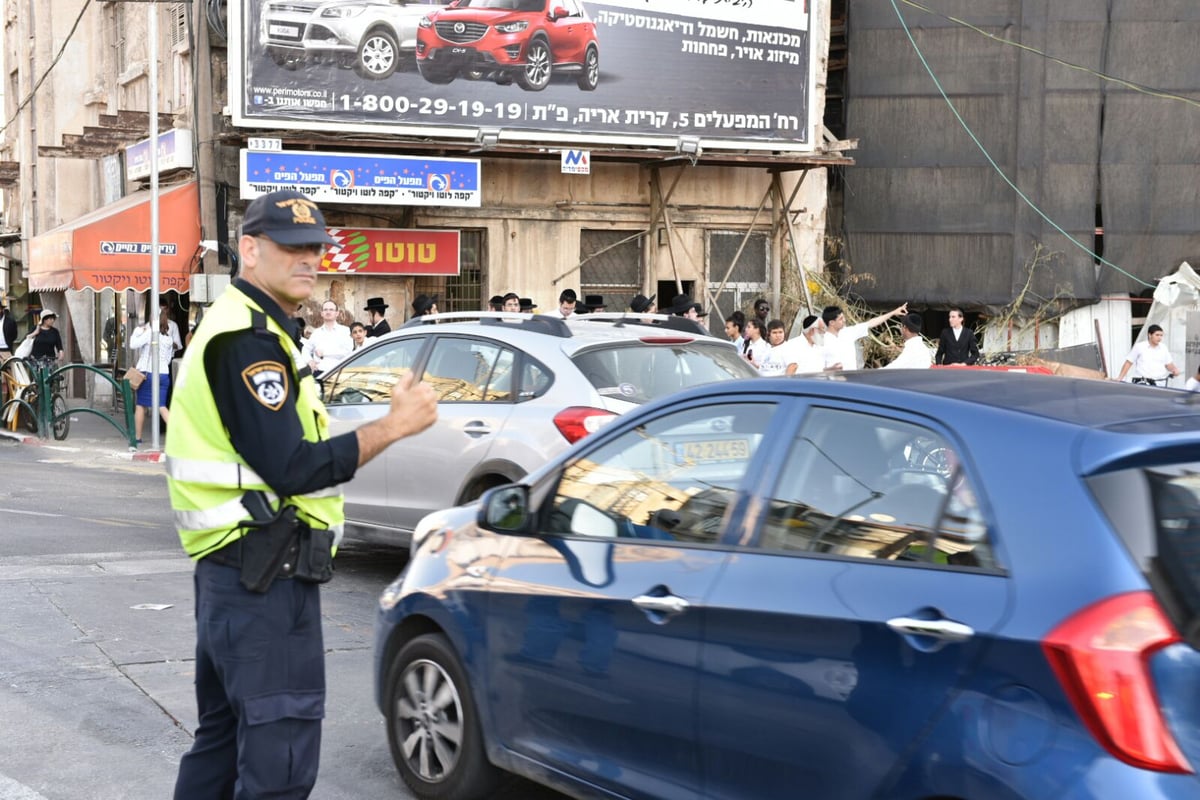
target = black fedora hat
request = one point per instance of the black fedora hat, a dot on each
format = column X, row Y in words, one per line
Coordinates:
column 376, row 304
column 641, row 304
column 527, row 304
column 423, row 304
column 594, row 301
column 682, row 302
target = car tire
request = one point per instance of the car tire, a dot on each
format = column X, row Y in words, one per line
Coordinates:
column 539, row 66
column 378, row 55
column 437, row 75
column 286, row 60
column 429, row 706
column 589, row 79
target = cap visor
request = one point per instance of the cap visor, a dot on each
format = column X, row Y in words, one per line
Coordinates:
column 300, row 237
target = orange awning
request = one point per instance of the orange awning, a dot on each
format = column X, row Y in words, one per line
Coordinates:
column 109, row 248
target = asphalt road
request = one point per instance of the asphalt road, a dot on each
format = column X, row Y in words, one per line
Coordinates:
column 97, row 638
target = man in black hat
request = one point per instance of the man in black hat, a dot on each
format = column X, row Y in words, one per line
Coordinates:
column 527, row 305
column 684, row 306
column 424, row 305
column 641, row 304
column 376, row 309
column 253, row 473
column 594, row 303
column 916, row 354
column 496, row 303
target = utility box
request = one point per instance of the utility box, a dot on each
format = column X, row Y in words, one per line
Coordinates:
column 207, row 288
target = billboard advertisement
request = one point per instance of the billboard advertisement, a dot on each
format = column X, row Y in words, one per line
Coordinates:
column 351, row 178
column 392, row 251
column 729, row 73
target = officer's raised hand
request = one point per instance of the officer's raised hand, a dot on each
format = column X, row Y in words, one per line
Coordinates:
column 414, row 408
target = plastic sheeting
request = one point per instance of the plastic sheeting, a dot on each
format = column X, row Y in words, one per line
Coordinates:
column 930, row 221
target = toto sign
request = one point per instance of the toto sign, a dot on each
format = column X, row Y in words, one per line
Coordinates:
column 735, row 74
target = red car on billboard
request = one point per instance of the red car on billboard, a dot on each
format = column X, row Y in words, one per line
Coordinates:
column 505, row 40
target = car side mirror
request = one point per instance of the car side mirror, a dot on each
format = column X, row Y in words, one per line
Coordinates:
column 558, row 12
column 505, row 509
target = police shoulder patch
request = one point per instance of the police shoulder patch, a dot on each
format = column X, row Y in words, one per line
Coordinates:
column 268, row 382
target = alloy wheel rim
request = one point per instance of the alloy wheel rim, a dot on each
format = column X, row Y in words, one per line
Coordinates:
column 538, row 70
column 429, row 720
column 377, row 55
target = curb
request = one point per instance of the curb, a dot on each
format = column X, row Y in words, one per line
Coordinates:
column 145, row 456
column 22, row 438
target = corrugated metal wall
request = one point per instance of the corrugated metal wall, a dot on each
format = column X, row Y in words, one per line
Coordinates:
column 931, row 220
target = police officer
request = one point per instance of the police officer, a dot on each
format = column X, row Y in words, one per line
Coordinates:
column 253, row 480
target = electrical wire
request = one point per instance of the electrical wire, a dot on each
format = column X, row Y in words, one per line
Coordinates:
column 1025, row 198
column 29, row 97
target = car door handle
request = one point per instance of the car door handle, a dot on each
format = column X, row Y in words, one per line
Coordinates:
column 668, row 605
column 945, row 629
column 477, row 428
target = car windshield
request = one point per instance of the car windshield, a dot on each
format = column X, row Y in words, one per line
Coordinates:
column 507, row 5
column 1156, row 511
column 638, row 373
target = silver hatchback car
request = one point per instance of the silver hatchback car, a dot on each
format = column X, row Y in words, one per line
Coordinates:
column 514, row 391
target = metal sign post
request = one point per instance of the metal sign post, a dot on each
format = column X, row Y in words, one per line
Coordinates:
column 155, row 333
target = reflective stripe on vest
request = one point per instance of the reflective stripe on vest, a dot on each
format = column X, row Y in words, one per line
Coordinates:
column 231, row 514
column 223, row 473
column 220, row 473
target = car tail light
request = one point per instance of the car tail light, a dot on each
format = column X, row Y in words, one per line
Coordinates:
column 576, row 422
column 668, row 339
column 1101, row 656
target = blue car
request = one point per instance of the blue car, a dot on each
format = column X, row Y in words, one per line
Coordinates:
column 884, row 584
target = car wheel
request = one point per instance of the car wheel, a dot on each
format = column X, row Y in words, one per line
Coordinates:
column 538, row 66
column 378, row 55
column 590, row 77
column 433, row 74
column 285, row 60
column 433, row 726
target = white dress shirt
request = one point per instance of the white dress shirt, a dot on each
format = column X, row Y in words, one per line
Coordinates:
column 915, row 355
column 327, row 346
column 840, row 348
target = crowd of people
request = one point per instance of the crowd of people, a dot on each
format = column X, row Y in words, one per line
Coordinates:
column 826, row 342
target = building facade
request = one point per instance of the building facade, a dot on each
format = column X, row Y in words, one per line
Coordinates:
column 653, row 214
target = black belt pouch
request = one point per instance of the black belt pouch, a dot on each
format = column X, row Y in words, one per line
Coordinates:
column 315, row 562
column 265, row 549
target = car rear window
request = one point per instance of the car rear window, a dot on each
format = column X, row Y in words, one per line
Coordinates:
column 1156, row 512
column 639, row 372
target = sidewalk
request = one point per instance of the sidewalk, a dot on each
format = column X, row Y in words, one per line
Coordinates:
column 91, row 437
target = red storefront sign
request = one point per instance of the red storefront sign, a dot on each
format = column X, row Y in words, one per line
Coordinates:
column 390, row 251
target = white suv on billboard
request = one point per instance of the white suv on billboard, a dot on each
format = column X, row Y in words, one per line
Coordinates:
column 370, row 36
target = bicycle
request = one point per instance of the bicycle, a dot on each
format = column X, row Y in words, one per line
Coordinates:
column 59, row 416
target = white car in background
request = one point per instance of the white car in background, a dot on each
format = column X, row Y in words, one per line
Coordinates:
column 371, row 36
column 514, row 391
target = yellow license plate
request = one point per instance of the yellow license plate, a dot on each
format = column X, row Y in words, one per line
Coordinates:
column 713, row 451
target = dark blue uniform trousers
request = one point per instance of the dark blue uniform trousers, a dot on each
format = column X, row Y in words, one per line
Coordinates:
column 260, row 689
